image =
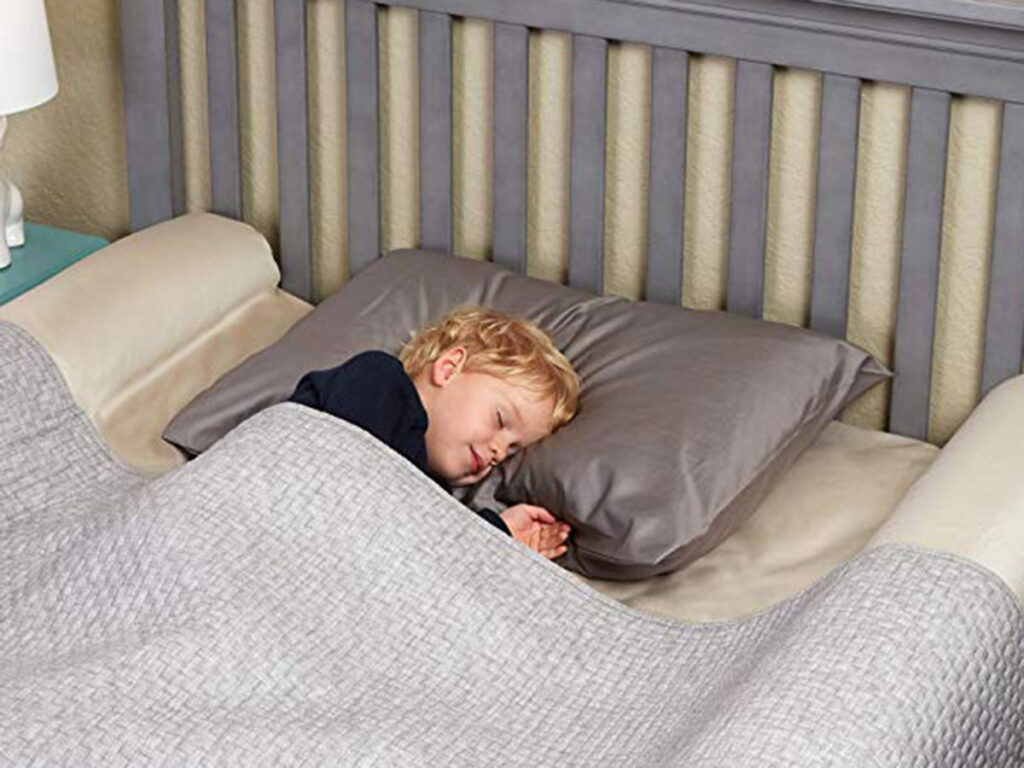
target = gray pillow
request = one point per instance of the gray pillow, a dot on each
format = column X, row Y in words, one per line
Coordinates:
column 686, row 417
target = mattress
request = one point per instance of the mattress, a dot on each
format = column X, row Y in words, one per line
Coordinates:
column 201, row 292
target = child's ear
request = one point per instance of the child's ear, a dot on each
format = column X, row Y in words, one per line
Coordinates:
column 447, row 366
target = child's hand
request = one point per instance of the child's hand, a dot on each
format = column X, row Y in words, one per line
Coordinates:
column 536, row 528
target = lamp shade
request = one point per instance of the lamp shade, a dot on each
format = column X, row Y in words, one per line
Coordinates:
column 27, row 73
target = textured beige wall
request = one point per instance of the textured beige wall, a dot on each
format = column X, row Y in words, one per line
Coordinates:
column 68, row 155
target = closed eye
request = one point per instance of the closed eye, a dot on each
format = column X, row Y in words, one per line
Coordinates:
column 501, row 421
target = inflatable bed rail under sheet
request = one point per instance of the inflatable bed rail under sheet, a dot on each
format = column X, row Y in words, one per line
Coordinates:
column 275, row 601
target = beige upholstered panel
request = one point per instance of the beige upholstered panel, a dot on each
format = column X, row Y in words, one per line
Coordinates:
column 548, row 155
column 874, row 267
column 473, row 106
column 878, row 204
column 195, row 128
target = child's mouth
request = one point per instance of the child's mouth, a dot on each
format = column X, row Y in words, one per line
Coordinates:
column 477, row 462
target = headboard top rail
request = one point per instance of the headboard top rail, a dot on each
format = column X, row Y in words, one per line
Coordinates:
column 982, row 12
column 968, row 56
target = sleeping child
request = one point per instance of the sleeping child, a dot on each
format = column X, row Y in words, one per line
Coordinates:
column 462, row 396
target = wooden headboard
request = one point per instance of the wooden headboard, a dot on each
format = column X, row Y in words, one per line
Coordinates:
column 938, row 47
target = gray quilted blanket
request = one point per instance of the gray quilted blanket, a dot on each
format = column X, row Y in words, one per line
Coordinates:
column 300, row 595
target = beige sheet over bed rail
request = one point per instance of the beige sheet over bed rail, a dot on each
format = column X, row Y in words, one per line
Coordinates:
column 145, row 324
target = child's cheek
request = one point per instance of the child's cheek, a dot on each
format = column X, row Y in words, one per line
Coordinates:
column 434, row 466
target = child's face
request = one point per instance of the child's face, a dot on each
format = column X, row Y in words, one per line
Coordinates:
column 475, row 419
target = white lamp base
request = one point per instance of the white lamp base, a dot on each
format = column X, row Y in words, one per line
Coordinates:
column 5, row 251
column 12, row 209
column 14, row 223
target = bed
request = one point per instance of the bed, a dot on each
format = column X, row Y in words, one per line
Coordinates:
column 859, row 474
column 854, row 491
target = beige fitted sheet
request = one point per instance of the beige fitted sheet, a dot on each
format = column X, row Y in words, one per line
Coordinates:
column 132, row 422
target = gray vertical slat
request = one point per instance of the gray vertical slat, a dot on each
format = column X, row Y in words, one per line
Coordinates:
column 1004, row 325
column 222, row 107
column 586, row 228
column 919, row 262
column 435, row 65
column 749, row 210
column 295, row 246
column 363, row 145
column 147, row 121
column 833, row 216
column 174, row 105
column 669, row 78
column 511, row 84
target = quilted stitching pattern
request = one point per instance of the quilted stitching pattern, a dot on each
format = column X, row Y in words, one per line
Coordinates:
column 300, row 595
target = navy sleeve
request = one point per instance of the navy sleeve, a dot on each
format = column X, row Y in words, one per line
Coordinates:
column 494, row 519
column 373, row 392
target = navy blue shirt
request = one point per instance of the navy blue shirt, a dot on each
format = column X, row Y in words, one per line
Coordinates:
column 373, row 391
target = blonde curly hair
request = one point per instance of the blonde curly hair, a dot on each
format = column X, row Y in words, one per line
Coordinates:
column 500, row 345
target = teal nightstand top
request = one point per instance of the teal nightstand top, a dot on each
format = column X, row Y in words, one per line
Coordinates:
column 47, row 250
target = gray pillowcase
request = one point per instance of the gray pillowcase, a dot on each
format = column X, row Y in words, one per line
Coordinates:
column 686, row 420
